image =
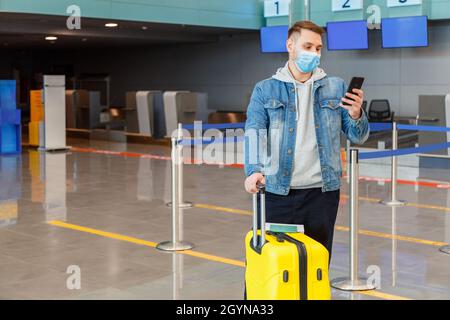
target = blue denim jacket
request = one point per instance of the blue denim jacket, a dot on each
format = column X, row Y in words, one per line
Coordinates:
column 272, row 107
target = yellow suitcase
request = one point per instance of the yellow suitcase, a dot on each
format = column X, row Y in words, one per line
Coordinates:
column 288, row 266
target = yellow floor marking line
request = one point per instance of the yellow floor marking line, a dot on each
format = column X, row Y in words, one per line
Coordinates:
column 396, row 237
column 409, row 204
column 105, row 234
column 362, row 198
column 206, row 256
column 339, row 228
column 382, row 295
column 217, row 208
column 427, row 206
column 374, row 200
column 196, row 254
column 117, row 236
column 224, row 209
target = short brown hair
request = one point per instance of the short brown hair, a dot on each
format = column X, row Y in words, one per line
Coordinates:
column 308, row 25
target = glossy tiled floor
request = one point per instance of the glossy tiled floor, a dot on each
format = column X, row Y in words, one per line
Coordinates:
column 125, row 196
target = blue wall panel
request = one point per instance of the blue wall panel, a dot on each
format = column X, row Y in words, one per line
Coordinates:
column 10, row 128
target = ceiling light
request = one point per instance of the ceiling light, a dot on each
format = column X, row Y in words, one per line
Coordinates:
column 111, row 25
column 51, row 38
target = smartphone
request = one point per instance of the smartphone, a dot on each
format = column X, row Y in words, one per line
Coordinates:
column 355, row 83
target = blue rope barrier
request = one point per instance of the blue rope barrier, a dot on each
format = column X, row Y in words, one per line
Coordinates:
column 205, row 126
column 380, row 126
column 374, row 126
column 401, row 152
column 193, row 142
column 422, row 128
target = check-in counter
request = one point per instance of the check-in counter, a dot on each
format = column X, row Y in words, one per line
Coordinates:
column 227, row 117
column 145, row 113
column 88, row 109
column 83, row 109
column 52, row 130
column 184, row 107
column 75, row 100
column 131, row 115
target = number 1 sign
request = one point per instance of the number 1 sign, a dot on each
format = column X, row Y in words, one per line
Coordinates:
column 276, row 8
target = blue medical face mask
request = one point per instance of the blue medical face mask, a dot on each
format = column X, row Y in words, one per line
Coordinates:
column 307, row 61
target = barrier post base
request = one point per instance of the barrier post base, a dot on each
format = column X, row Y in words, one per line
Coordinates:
column 347, row 284
column 445, row 249
column 185, row 204
column 393, row 203
column 178, row 246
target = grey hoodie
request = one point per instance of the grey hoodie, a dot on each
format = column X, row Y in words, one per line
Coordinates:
column 306, row 172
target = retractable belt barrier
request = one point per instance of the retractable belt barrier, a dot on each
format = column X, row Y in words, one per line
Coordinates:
column 402, row 152
column 353, row 282
column 210, row 140
column 374, row 127
column 423, row 128
column 205, row 126
column 380, row 126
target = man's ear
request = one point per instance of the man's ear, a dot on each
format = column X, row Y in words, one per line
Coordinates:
column 290, row 46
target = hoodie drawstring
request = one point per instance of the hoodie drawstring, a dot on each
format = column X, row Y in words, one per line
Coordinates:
column 296, row 102
column 297, row 107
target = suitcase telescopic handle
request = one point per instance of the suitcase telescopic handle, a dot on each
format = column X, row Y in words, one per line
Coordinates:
column 262, row 198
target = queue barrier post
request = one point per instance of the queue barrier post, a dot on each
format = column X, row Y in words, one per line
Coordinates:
column 176, row 244
column 179, row 148
column 394, row 201
column 353, row 282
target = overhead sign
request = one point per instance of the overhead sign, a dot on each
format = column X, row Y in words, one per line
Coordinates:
column 276, row 8
column 399, row 3
column 345, row 5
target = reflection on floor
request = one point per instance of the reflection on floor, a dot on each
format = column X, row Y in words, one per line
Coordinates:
column 111, row 203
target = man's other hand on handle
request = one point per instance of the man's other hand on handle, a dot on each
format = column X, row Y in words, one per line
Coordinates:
column 252, row 181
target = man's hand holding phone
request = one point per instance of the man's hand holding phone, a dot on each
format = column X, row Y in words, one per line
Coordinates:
column 354, row 98
column 353, row 103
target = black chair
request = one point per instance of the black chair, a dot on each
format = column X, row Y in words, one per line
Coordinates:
column 380, row 111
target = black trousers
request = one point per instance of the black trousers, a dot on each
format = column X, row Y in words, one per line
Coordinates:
column 314, row 209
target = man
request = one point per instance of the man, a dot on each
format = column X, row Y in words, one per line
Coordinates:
column 305, row 107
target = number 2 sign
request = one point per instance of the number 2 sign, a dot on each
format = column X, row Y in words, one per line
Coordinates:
column 344, row 5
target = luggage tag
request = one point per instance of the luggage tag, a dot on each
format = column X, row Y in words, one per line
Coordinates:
column 285, row 228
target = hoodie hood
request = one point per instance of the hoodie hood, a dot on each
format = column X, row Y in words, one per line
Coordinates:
column 284, row 74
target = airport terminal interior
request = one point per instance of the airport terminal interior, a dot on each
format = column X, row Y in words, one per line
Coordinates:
column 92, row 91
